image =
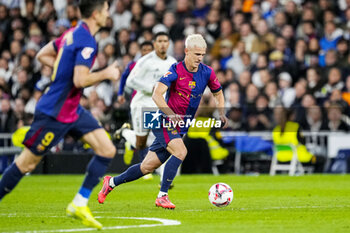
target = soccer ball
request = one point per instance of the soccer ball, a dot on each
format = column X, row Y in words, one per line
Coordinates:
column 220, row 194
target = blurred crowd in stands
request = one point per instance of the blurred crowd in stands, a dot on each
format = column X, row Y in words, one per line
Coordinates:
column 265, row 53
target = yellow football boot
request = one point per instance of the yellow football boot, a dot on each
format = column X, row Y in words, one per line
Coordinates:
column 84, row 214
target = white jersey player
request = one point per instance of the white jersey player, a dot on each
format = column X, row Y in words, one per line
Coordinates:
column 142, row 78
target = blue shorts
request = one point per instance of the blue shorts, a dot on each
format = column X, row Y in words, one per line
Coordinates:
column 163, row 137
column 45, row 131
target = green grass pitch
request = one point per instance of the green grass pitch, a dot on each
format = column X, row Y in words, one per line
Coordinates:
column 315, row 203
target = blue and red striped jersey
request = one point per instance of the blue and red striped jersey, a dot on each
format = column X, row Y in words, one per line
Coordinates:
column 186, row 88
column 75, row 47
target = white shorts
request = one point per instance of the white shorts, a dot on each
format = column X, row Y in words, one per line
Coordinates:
column 138, row 104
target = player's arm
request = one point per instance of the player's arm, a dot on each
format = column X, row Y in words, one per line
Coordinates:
column 215, row 87
column 47, row 54
column 123, row 79
column 120, row 95
column 84, row 78
column 220, row 104
column 136, row 79
column 158, row 98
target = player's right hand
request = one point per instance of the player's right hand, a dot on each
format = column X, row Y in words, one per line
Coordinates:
column 113, row 72
column 175, row 118
column 224, row 121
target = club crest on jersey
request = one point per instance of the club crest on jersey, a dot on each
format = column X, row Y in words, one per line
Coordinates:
column 86, row 52
column 167, row 74
column 192, row 84
column 40, row 148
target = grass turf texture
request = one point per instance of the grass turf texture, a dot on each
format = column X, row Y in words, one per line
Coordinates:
column 316, row 203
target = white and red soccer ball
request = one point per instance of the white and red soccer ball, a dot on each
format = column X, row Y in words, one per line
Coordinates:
column 220, row 194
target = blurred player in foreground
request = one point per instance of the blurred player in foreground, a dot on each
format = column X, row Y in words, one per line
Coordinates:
column 58, row 112
column 184, row 85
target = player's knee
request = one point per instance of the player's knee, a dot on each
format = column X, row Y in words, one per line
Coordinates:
column 111, row 151
column 26, row 167
column 108, row 151
column 147, row 168
column 181, row 153
column 31, row 167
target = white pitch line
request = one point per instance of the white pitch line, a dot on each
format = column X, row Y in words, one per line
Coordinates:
column 163, row 222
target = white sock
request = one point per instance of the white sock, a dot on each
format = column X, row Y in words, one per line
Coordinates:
column 160, row 194
column 161, row 171
column 150, row 139
column 111, row 182
column 79, row 200
column 129, row 136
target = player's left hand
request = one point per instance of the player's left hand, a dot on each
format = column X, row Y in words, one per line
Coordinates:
column 121, row 99
column 224, row 121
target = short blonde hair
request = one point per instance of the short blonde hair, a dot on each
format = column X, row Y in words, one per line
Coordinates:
column 195, row 40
